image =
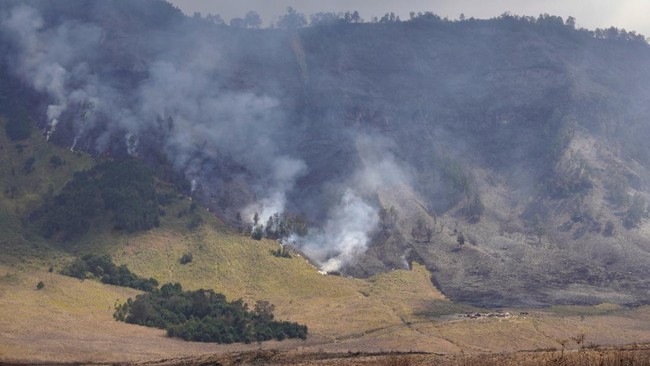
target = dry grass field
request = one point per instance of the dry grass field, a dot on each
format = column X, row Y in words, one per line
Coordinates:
column 71, row 320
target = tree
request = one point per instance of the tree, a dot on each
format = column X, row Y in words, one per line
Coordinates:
column 264, row 310
column 252, row 20
column 292, row 20
column 389, row 18
column 352, row 17
column 237, row 23
column 460, row 240
column 323, row 18
column 570, row 22
column 258, row 232
column 214, row 19
column 474, row 208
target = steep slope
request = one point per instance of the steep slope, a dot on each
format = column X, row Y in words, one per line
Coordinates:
column 507, row 155
column 70, row 320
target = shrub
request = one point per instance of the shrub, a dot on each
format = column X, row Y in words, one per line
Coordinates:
column 40, row 285
column 186, row 258
column 56, row 161
column 281, row 252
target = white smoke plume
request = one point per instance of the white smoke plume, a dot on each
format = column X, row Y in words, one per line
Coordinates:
column 285, row 171
column 51, row 59
column 197, row 121
column 352, row 221
column 183, row 87
column 345, row 234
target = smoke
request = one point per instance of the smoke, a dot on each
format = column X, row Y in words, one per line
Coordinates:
column 53, row 61
column 183, row 87
column 345, row 234
column 186, row 105
column 285, row 171
column 352, row 221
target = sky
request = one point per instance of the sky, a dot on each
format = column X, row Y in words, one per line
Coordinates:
column 628, row 14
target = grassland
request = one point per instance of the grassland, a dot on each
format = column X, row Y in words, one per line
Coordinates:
column 71, row 320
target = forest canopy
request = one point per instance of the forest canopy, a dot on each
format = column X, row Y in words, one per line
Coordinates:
column 206, row 316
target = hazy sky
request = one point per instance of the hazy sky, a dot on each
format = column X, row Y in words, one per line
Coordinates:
column 628, row 14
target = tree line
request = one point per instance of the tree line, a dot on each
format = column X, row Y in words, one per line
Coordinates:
column 102, row 268
column 294, row 19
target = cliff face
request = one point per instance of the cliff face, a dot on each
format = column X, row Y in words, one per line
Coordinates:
column 508, row 155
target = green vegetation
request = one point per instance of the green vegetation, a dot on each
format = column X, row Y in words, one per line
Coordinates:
column 40, row 285
column 281, row 252
column 103, row 268
column 125, row 188
column 278, row 226
column 206, row 316
column 56, row 161
column 186, row 258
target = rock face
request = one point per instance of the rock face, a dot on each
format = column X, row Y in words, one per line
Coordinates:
column 507, row 155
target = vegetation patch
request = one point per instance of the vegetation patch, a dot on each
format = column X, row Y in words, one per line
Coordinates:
column 124, row 188
column 206, row 316
column 103, row 268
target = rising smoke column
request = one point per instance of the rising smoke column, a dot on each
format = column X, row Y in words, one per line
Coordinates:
column 345, row 235
column 352, row 221
column 182, row 86
column 204, row 121
column 52, row 61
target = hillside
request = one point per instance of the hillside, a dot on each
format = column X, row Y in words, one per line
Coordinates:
column 507, row 155
column 70, row 320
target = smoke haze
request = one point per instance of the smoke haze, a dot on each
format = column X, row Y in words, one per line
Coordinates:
column 483, row 148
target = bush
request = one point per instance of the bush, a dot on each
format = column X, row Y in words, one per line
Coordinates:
column 281, row 252
column 40, row 285
column 56, row 161
column 186, row 258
